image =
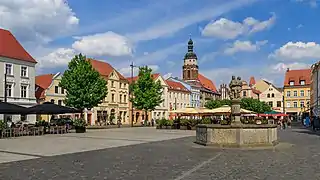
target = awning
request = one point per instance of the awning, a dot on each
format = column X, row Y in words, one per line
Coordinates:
column 50, row 108
column 9, row 108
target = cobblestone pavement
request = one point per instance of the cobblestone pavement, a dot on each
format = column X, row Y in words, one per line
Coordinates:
column 296, row 158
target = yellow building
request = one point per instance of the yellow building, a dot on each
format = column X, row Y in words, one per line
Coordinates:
column 48, row 90
column 296, row 91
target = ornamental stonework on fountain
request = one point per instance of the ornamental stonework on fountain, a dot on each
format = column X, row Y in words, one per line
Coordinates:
column 236, row 134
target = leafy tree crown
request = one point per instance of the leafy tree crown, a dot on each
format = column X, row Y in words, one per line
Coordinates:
column 85, row 87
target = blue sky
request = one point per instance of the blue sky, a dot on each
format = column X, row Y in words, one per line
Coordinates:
column 260, row 38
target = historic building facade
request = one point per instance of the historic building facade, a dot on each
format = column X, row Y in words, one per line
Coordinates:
column 296, row 91
column 190, row 74
column 194, row 90
column 224, row 91
column 314, row 89
column 18, row 71
column 178, row 95
column 115, row 106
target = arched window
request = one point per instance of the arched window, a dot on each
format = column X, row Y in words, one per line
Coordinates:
column 268, row 95
column 272, row 95
column 52, row 101
column 244, row 93
column 189, row 73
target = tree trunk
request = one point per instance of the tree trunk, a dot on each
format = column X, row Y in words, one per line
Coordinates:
column 147, row 119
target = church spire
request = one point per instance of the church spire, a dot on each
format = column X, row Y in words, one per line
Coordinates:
column 190, row 44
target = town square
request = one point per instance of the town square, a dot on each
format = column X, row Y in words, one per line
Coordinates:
column 168, row 90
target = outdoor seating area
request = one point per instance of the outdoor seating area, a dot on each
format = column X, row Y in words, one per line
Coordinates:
column 15, row 129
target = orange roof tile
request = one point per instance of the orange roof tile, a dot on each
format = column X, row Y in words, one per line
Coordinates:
column 42, row 83
column 296, row 76
column 104, row 68
column 256, row 91
column 11, row 48
column 135, row 78
column 252, row 81
column 207, row 83
column 177, row 86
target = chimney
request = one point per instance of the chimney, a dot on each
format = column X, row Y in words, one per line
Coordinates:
column 288, row 69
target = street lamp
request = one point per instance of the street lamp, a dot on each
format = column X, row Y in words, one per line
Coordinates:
column 132, row 66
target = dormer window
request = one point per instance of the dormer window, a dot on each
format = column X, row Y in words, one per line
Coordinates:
column 302, row 82
column 291, row 83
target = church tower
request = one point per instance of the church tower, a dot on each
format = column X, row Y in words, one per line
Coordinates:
column 190, row 66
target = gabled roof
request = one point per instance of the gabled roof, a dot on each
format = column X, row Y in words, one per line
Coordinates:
column 42, row 83
column 256, row 91
column 296, row 76
column 135, row 78
column 104, row 68
column 176, row 86
column 207, row 83
column 11, row 48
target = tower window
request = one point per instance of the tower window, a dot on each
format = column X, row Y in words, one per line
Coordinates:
column 189, row 74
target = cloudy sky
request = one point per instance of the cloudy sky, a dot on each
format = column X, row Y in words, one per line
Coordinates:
column 260, row 38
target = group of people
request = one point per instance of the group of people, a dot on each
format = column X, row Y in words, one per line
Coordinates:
column 285, row 122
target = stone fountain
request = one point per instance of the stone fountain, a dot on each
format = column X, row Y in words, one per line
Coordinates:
column 236, row 134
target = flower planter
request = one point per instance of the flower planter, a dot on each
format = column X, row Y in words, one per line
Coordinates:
column 183, row 127
column 168, row 127
column 80, row 129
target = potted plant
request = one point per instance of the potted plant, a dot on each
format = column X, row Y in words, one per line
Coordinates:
column 80, row 125
column 258, row 120
column 168, row 124
column 161, row 123
column 184, row 123
column 2, row 127
column 206, row 121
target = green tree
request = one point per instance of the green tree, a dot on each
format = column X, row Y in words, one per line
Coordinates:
column 254, row 105
column 147, row 94
column 85, row 87
column 217, row 103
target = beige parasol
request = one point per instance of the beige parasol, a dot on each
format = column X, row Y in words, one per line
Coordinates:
column 227, row 109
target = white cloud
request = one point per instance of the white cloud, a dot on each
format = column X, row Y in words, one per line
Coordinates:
column 282, row 67
column 104, row 44
column 244, row 46
column 36, row 20
column 227, row 29
column 173, row 25
column 58, row 58
column 297, row 51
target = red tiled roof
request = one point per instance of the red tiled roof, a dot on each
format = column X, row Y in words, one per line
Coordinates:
column 207, row 83
column 42, row 83
column 104, row 68
column 256, row 91
column 176, row 86
column 11, row 48
column 252, row 81
column 296, row 76
column 135, row 78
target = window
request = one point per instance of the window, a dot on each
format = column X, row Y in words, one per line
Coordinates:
column 9, row 90
column 278, row 103
column 288, row 104
column 23, row 92
column 9, row 69
column 270, row 89
column 62, row 90
column 125, row 98
column 272, row 95
column 52, row 101
column 23, row 72
column 301, row 103
column 295, row 104
column 60, row 102
column 112, row 83
column 244, row 93
column 302, row 93
column 291, row 83
column 120, row 85
column 302, row 82
column 23, row 117
column 270, row 103
column 295, row 93
column 308, row 104
column 288, row 93
column 112, row 97
column 120, row 98
column 56, row 89
column 308, row 92
column 268, row 95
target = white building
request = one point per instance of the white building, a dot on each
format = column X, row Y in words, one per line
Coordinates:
column 178, row 95
column 20, row 68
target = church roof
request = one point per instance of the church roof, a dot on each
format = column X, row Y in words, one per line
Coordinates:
column 207, row 83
